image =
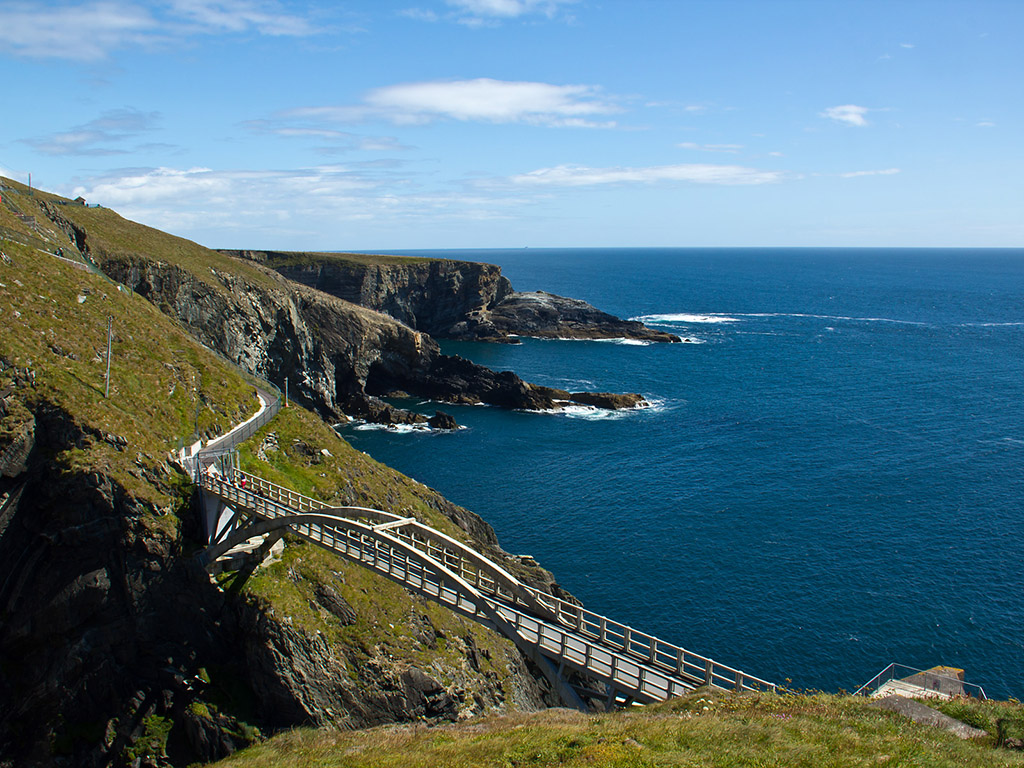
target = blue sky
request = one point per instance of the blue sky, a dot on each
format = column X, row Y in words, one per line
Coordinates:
column 506, row 123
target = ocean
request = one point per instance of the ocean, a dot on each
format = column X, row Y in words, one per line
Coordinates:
column 829, row 477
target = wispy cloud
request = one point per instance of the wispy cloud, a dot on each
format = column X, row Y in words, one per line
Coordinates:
column 334, row 141
column 266, row 18
column 261, row 203
column 479, row 100
column 729, row 148
column 91, row 31
column 96, row 137
column 985, row 124
column 851, row 114
column 486, row 13
column 583, row 176
column 885, row 172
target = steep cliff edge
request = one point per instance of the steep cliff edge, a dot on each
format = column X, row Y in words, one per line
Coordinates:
column 430, row 295
column 114, row 646
column 336, row 357
column 450, row 299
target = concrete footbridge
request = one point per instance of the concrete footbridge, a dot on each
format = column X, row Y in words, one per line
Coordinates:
column 585, row 656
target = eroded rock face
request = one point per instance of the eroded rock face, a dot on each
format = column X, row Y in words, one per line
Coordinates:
column 452, row 299
column 338, row 358
column 545, row 315
column 108, row 628
column 428, row 295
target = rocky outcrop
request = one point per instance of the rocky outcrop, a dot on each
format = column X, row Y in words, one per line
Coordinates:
column 430, row 295
column 609, row 400
column 114, row 642
column 336, row 357
column 547, row 316
column 451, row 299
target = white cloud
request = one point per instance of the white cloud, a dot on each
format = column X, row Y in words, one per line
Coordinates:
column 906, row 45
column 730, row 148
column 481, row 100
column 90, row 31
column 240, row 16
column 850, row 114
column 985, row 124
column 335, row 141
column 490, row 13
column 582, row 176
column 85, row 32
column 204, row 203
column 479, row 12
column 419, row 14
column 885, row 172
column 112, row 127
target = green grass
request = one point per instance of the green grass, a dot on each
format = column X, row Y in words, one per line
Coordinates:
column 276, row 259
column 346, row 477
column 389, row 620
column 54, row 345
column 705, row 729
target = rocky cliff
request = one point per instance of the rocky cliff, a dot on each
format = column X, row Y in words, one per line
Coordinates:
column 115, row 648
column 114, row 643
column 450, row 299
column 336, row 356
column 430, row 295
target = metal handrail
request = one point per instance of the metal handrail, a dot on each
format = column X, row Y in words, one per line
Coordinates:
column 896, row 671
column 668, row 657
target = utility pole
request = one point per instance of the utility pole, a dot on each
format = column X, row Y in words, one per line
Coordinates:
column 110, row 337
column 285, row 391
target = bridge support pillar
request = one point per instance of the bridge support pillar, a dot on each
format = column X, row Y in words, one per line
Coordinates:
column 217, row 517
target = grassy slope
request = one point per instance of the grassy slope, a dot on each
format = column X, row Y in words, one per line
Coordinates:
column 301, row 258
column 711, row 730
column 55, row 319
column 48, row 330
column 55, row 325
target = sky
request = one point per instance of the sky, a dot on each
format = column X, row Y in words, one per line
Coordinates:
column 376, row 125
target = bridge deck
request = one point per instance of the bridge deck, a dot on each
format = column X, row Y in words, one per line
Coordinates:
column 633, row 664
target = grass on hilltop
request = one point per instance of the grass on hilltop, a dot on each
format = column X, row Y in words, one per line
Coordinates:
column 162, row 383
column 276, row 259
column 705, row 729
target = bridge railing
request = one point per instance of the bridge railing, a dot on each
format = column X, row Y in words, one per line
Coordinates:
column 378, row 550
column 671, row 658
column 925, row 679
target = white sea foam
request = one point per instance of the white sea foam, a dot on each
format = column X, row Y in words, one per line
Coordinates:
column 591, row 413
column 992, row 325
column 628, row 342
column 847, row 318
column 398, row 429
column 683, row 317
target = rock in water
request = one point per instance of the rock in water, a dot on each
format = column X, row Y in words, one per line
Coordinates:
column 442, row 420
column 545, row 315
column 609, row 400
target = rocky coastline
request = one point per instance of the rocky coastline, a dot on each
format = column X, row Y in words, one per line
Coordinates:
column 450, row 299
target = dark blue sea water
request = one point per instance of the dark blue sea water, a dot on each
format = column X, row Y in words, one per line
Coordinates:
column 830, row 477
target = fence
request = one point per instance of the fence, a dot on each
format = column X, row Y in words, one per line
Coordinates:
column 923, row 682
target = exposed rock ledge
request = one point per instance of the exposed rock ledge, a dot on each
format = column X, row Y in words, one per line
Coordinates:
column 450, row 299
column 547, row 316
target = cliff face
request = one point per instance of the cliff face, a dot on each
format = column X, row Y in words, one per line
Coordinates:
column 450, row 299
column 335, row 355
column 428, row 295
column 114, row 642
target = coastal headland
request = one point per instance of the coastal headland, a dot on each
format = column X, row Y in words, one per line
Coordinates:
column 121, row 343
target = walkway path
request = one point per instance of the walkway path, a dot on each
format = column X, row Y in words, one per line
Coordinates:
column 559, row 636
